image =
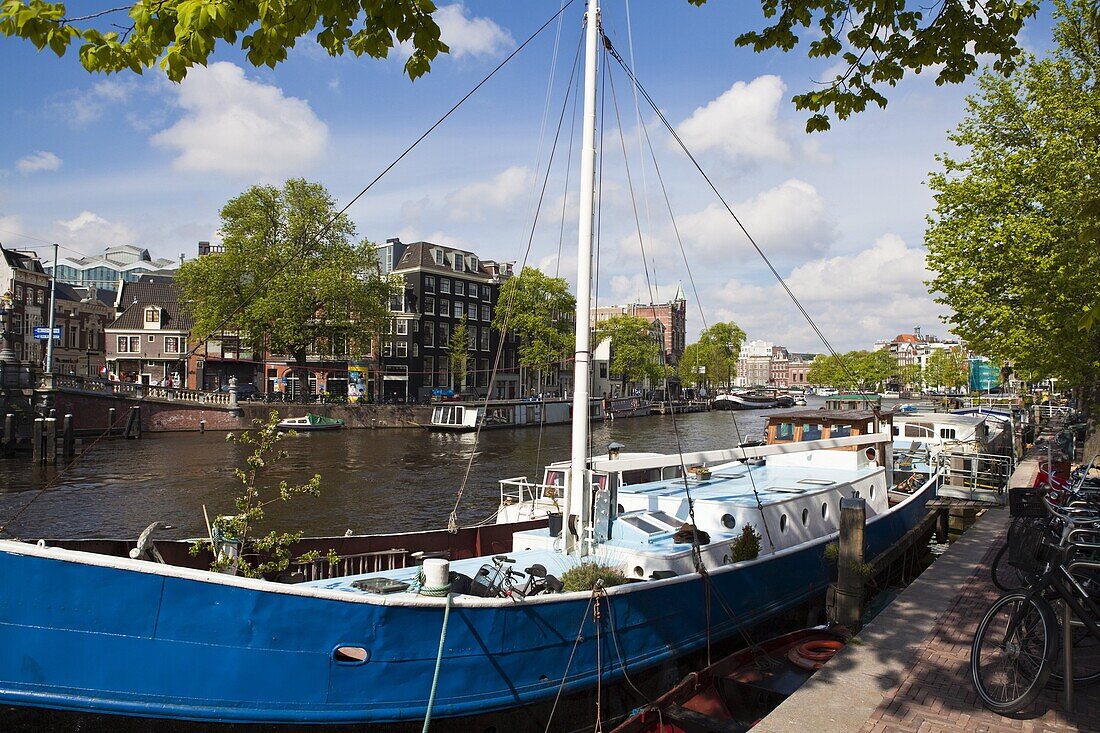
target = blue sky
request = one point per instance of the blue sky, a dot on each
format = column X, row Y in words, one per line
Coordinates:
column 91, row 161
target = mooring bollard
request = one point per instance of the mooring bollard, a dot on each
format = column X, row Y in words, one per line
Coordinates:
column 67, row 437
column 51, row 439
column 110, row 421
column 849, row 576
column 9, row 429
column 202, row 427
column 36, row 440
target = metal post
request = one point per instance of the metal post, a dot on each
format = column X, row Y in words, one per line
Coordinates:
column 1067, row 654
column 9, row 429
column 67, row 437
column 850, row 580
column 36, row 440
column 51, row 439
column 53, row 307
column 110, row 421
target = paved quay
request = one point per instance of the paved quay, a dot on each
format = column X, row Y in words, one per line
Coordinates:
column 908, row 671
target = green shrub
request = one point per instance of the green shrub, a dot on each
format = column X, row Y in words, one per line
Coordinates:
column 585, row 575
column 747, row 546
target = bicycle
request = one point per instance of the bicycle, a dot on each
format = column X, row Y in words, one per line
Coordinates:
column 1016, row 644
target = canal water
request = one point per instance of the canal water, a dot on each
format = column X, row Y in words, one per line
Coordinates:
column 372, row 481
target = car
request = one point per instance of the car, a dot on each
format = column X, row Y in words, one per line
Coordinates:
column 244, row 391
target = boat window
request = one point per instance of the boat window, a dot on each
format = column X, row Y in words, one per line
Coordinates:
column 840, row 431
column 784, row 431
column 555, row 478
column 660, row 516
column 947, row 433
column 897, row 431
column 350, row 654
column 817, row 481
column 824, row 510
column 805, row 517
column 729, row 521
column 783, row 523
column 811, row 432
column 643, row 525
column 919, row 430
column 789, row 491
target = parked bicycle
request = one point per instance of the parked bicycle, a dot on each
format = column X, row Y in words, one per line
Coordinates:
column 1016, row 647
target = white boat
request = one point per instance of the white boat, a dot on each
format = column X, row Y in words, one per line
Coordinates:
column 468, row 415
column 310, row 422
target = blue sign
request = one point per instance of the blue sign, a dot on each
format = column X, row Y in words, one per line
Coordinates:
column 42, row 333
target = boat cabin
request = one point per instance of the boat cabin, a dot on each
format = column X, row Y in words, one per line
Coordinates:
column 853, row 401
column 795, row 427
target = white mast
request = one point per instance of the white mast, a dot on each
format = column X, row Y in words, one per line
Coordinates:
column 578, row 497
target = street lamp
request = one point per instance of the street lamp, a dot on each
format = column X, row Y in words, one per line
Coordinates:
column 7, row 355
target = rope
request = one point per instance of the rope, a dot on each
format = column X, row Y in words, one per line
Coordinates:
column 569, row 662
column 438, row 664
column 434, row 591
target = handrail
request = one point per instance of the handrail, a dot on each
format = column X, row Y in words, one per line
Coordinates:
column 134, row 390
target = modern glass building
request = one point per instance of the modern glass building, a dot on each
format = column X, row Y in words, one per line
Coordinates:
column 125, row 262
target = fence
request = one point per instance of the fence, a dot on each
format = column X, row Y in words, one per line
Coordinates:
column 133, row 390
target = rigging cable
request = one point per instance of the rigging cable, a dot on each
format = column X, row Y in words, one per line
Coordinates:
column 759, row 251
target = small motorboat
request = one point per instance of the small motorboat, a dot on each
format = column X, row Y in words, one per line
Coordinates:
column 311, row 422
column 736, row 692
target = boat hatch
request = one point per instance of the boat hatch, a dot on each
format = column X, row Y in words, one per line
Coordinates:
column 646, row 525
column 789, row 491
column 817, row 481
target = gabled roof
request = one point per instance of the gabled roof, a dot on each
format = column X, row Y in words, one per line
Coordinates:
column 419, row 254
column 134, row 297
column 22, row 260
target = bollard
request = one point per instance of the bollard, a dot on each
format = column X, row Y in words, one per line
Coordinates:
column 67, row 437
column 849, row 579
column 202, row 426
column 36, row 440
column 51, row 440
column 110, row 421
column 9, row 429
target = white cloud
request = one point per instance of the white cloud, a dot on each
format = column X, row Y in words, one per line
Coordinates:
column 470, row 36
column 742, row 123
column 886, row 270
column 788, row 219
column 91, row 232
column 40, row 160
column 509, row 188
column 84, row 107
column 237, row 126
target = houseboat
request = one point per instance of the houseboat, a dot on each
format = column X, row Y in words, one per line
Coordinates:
column 469, row 415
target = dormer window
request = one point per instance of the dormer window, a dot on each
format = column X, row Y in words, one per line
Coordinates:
column 473, row 264
column 456, row 259
column 153, row 317
column 438, row 254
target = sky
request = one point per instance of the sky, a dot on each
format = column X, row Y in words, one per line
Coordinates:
column 93, row 161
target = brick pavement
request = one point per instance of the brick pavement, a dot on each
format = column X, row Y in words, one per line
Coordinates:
column 935, row 694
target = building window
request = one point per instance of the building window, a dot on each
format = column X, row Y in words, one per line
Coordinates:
column 429, row 284
column 444, row 335
column 460, row 287
column 473, row 264
column 429, row 336
column 438, row 255
column 485, row 339
column 152, row 315
column 38, row 296
column 402, row 349
column 402, row 326
column 152, row 339
column 395, row 304
column 457, row 262
column 416, row 326
column 444, row 285
column 19, row 292
column 485, row 313
column 471, row 339
column 429, row 304
column 429, row 371
column 471, row 311
column 485, row 292
column 387, row 349
column 172, row 345
column 129, row 344
column 415, row 349
column 444, row 307
column 459, row 310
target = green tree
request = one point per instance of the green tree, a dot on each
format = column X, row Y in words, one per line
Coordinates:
column 693, row 360
column 862, row 370
column 1015, row 237
column 458, row 354
column 286, row 280
column 540, row 310
column 911, row 376
column 635, row 354
column 947, row 368
column 721, row 344
column 878, row 41
column 178, row 34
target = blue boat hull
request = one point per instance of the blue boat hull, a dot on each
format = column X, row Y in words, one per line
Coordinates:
column 101, row 635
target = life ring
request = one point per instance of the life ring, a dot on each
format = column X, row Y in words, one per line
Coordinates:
column 814, row 654
column 634, row 404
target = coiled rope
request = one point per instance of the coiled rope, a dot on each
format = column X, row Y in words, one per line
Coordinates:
column 435, row 591
column 438, row 657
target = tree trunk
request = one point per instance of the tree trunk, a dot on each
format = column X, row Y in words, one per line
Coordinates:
column 301, row 373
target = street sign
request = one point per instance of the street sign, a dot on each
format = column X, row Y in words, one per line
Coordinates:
column 42, row 333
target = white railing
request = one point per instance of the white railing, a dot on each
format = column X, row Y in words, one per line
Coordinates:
column 987, row 472
column 133, row 389
column 519, row 490
column 365, row 562
column 1051, row 412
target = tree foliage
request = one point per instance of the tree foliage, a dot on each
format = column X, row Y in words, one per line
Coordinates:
column 259, row 555
column 179, row 34
column 635, row 354
column 540, row 309
column 877, row 41
column 458, row 353
column 284, row 279
column 863, row 370
column 1015, row 237
column 716, row 352
column 947, row 368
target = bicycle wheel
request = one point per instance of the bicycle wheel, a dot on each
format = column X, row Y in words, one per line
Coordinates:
column 1005, row 577
column 1010, row 662
column 1086, row 655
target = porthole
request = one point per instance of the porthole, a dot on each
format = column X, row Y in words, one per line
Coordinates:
column 620, row 509
column 729, row 521
column 350, row 654
column 872, row 491
column 783, row 523
column 639, row 571
column 824, row 510
column 871, row 454
column 805, row 517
